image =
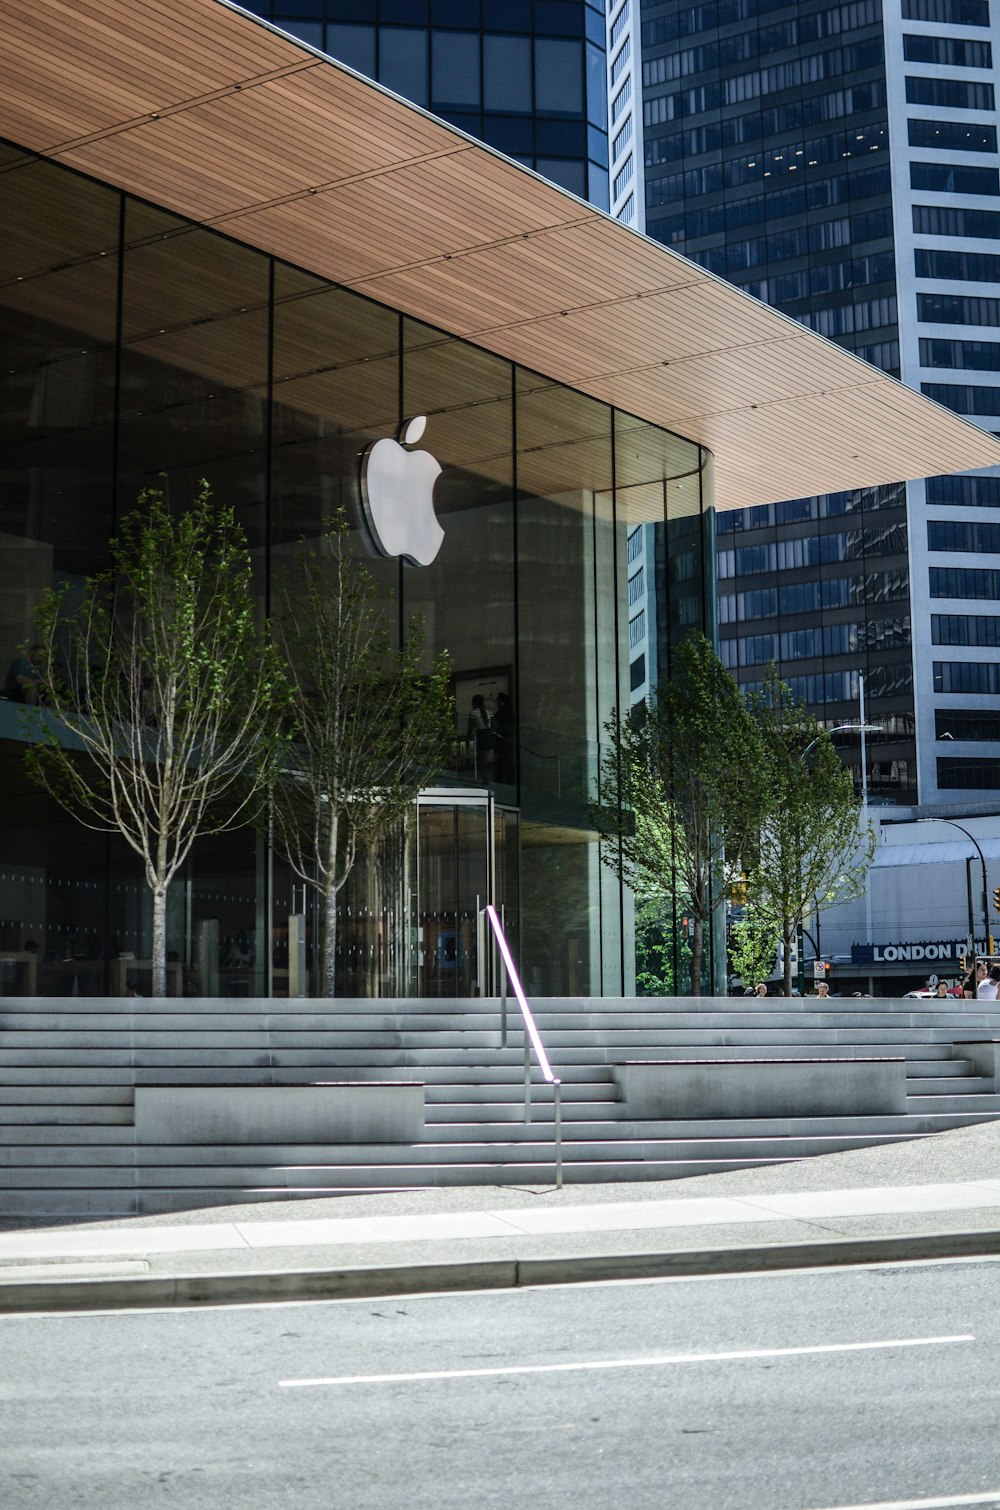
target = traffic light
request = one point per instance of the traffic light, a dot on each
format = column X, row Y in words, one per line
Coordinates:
column 996, row 899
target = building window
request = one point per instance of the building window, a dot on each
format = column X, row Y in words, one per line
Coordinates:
column 948, row 12
column 957, row 309
column 621, row 61
column 637, row 673
column 622, row 140
column 952, row 136
column 621, row 99
column 965, row 629
column 507, row 74
column 635, row 544
column 627, row 212
column 950, row 94
column 964, row 492
column 558, row 77
column 637, row 630
column 964, row 399
column 975, row 356
column 972, row 536
column 967, row 676
column 965, row 723
column 623, row 178
column 964, row 582
column 947, row 178
column 620, row 23
column 636, row 587
column 970, row 267
column 943, row 220
column 952, row 52
column 977, row 775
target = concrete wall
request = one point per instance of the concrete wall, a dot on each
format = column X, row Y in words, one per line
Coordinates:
column 344, row 1113
column 671, row 1089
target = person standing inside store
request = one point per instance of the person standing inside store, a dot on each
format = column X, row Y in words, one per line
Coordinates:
column 480, row 731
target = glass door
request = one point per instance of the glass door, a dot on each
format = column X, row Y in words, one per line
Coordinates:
column 466, row 856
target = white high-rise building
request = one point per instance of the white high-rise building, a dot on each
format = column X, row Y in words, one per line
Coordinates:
column 840, row 163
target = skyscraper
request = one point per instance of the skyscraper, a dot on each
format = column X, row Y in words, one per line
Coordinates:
column 840, row 163
column 524, row 76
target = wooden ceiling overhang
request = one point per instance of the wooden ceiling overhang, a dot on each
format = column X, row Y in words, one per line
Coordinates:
column 206, row 111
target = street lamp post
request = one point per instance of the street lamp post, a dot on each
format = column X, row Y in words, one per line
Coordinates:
column 982, row 866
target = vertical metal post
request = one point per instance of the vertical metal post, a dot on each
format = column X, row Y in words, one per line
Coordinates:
column 503, row 981
column 864, row 804
column 557, row 1090
column 527, row 1077
column 480, row 948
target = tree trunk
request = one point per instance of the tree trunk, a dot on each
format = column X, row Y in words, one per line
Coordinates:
column 329, row 981
column 159, row 956
column 697, row 948
column 786, row 964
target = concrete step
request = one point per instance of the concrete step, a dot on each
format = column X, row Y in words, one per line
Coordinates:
column 223, row 1021
column 59, row 1113
column 943, row 1085
column 66, row 1095
column 28, row 1162
column 659, row 1045
column 95, row 1199
column 171, row 1170
column 989, row 1103
column 930, row 1059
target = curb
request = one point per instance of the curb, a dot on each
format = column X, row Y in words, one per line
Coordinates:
column 192, row 1290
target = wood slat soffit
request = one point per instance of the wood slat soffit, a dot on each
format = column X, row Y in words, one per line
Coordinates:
column 206, row 111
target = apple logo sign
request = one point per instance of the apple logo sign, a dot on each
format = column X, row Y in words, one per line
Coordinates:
column 397, row 493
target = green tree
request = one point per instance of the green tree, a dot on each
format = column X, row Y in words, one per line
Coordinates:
column 162, row 692
column 753, row 945
column 811, row 849
column 368, row 726
column 680, row 781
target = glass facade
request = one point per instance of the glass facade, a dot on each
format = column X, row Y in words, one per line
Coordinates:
column 525, row 76
column 142, row 349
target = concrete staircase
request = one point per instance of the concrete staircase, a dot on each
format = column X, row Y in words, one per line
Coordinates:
column 68, row 1068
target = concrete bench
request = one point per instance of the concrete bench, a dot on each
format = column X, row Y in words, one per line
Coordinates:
column 326, row 1112
column 983, row 1053
column 671, row 1089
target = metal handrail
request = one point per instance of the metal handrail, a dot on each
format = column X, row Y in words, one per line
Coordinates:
column 532, row 1038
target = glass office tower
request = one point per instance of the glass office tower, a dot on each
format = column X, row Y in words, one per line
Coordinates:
column 525, row 76
column 840, row 163
column 141, row 349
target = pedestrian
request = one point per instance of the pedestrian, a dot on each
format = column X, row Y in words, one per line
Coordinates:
column 761, row 989
column 987, row 989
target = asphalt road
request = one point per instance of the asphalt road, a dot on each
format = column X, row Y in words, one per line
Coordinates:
column 793, row 1391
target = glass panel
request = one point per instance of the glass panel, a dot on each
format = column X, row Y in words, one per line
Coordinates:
column 353, row 45
column 568, row 175
column 194, row 366
column 567, row 673
column 58, row 325
column 455, row 68
column 559, row 77
column 452, row 882
column 403, row 62
column 466, row 595
column 507, row 74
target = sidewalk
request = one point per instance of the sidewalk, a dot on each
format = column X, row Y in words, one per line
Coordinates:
column 936, row 1197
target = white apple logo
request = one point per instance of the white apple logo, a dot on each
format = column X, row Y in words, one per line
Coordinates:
column 397, row 492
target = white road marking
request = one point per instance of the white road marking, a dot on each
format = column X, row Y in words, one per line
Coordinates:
column 938, row 1504
column 608, row 1363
